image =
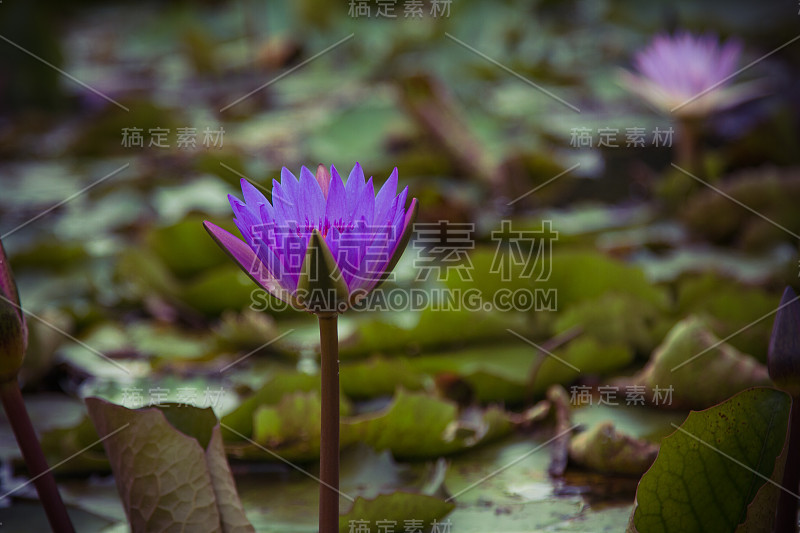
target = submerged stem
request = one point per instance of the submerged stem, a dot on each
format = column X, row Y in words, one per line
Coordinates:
column 32, row 452
column 786, row 516
column 329, row 435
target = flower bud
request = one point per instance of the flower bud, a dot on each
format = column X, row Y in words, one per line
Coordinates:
column 783, row 360
column 13, row 329
column 324, row 179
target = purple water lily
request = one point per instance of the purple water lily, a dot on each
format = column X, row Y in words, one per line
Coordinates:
column 321, row 244
column 689, row 75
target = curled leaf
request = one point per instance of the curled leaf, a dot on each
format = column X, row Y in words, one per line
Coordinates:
column 698, row 368
column 604, row 449
column 170, row 468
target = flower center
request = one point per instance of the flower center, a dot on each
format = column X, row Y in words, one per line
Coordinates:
column 323, row 226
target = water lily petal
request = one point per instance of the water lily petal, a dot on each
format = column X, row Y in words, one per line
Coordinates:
column 312, row 199
column 289, row 198
column 364, row 207
column 252, row 196
column 385, row 197
column 353, row 187
column 400, row 245
column 249, row 262
column 336, row 209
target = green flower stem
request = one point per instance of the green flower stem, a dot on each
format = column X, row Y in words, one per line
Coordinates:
column 329, row 435
column 32, row 452
column 786, row 516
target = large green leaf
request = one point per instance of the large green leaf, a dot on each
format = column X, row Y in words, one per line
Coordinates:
column 506, row 373
column 575, row 275
column 413, row 426
column 710, row 470
column 429, row 328
column 272, row 393
column 184, row 249
column 292, row 427
column 378, row 376
column 418, row 426
column 170, row 468
column 616, row 318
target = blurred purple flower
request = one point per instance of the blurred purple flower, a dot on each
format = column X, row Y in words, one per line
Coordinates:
column 689, row 75
column 321, row 244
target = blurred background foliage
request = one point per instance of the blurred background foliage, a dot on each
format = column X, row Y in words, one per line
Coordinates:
column 650, row 267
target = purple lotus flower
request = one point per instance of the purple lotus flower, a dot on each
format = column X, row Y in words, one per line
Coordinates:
column 321, row 244
column 689, row 75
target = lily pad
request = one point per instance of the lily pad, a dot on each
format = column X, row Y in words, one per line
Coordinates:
column 292, row 427
column 378, row 376
column 698, row 368
column 185, row 248
column 170, row 468
column 617, row 319
column 419, row 426
column 738, row 441
column 425, row 329
column 604, row 449
column 395, row 511
column 283, row 413
column 219, row 289
column 507, row 373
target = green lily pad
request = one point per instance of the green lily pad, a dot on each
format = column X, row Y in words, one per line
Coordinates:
column 575, row 275
column 394, row 512
column 185, row 248
column 580, row 276
column 424, row 329
column 54, row 417
column 682, row 491
column 378, row 376
column 281, row 412
column 168, row 343
column 617, row 319
column 219, row 289
column 292, row 427
column 61, row 443
column 285, row 500
column 419, row 426
column 142, row 274
column 505, row 373
column 246, row 331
